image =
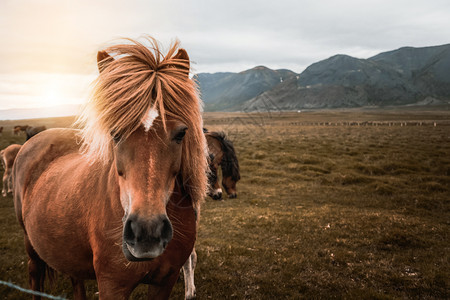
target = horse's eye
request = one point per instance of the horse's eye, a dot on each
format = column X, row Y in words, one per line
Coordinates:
column 179, row 136
column 116, row 138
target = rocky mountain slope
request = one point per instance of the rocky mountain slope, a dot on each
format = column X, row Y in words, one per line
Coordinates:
column 227, row 91
column 401, row 77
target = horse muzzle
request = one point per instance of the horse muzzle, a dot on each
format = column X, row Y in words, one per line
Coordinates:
column 216, row 194
column 145, row 239
column 232, row 195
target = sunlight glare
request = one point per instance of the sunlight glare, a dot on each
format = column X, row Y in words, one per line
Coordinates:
column 52, row 97
column 52, row 93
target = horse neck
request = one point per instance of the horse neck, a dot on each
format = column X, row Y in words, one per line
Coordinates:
column 113, row 191
column 229, row 163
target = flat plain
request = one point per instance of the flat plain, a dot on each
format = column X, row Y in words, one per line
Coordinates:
column 346, row 204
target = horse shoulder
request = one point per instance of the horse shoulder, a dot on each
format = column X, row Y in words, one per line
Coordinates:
column 35, row 156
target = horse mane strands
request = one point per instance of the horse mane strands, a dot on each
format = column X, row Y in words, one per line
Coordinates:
column 139, row 79
column 230, row 163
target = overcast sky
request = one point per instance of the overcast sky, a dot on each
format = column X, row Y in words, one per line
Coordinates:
column 49, row 47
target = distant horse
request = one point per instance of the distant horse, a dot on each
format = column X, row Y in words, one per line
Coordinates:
column 19, row 128
column 32, row 131
column 222, row 153
column 1, row 130
column 7, row 156
column 118, row 201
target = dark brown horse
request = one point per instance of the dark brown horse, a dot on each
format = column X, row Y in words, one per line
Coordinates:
column 7, row 157
column 32, row 131
column 19, row 128
column 118, row 200
column 222, row 153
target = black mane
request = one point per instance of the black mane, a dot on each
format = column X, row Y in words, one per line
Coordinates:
column 32, row 131
column 229, row 163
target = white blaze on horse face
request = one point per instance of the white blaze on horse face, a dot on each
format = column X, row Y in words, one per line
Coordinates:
column 149, row 117
column 125, row 200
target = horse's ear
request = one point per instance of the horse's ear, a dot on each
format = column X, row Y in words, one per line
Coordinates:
column 182, row 55
column 103, row 60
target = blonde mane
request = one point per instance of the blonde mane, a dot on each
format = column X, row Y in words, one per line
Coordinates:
column 138, row 79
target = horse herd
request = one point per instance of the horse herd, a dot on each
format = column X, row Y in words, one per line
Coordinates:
column 29, row 130
column 118, row 201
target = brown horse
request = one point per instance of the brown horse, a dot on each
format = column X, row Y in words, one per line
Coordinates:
column 7, row 156
column 222, row 153
column 19, row 128
column 122, row 207
column 32, row 131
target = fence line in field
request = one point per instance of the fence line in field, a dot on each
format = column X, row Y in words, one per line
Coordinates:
column 369, row 123
column 14, row 286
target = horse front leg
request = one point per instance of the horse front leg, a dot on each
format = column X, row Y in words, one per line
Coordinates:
column 10, row 184
column 112, row 289
column 162, row 292
column 79, row 292
column 188, row 270
column 5, row 183
column 36, row 269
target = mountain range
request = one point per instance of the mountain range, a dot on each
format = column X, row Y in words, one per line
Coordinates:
column 406, row 76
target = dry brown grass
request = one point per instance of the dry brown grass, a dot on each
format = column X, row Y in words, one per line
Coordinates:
column 323, row 211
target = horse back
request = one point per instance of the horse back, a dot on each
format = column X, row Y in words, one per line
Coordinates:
column 9, row 155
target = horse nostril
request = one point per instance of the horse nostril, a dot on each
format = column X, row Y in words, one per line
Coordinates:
column 129, row 234
column 166, row 231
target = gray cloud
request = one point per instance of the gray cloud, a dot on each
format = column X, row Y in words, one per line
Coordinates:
column 290, row 33
column 63, row 36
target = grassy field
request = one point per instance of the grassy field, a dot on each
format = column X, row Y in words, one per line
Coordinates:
column 326, row 208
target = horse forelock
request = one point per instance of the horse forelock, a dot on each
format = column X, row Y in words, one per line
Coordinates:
column 141, row 79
